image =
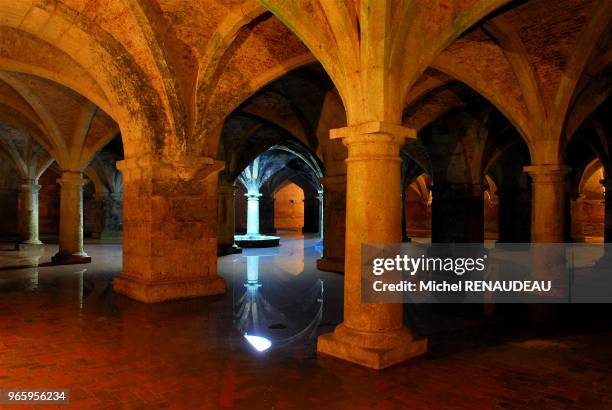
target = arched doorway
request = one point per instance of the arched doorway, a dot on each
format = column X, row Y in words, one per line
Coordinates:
column 588, row 211
column 289, row 208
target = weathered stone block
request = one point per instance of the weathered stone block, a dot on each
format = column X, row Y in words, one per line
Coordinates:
column 169, row 239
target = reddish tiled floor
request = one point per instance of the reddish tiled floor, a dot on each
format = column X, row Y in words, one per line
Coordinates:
column 62, row 327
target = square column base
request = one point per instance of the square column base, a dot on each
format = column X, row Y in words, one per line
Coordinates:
column 331, row 265
column 373, row 350
column 29, row 247
column 154, row 292
column 70, row 259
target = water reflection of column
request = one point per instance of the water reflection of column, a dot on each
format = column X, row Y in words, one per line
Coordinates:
column 252, row 270
column 34, row 279
column 252, row 312
column 79, row 274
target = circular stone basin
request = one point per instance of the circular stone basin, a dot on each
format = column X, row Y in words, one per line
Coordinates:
column 260, row 241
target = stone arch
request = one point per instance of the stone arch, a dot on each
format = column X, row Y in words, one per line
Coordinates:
column 106, row 73
column 494, row 98
column 592, row 167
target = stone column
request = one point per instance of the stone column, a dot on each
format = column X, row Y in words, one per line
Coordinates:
column 252, row 213
column 226, row 245
column 548, row 202
column 372, row 335
column 607, row 184
column 71, row 220
column 169, row 229
column 458, row 213
column 547, row 226
column 28, row 216
column 334, row 226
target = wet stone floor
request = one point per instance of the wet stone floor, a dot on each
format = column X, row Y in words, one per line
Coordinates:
column 255, row 346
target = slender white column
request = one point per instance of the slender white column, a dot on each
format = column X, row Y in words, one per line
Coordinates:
column 253, row 213
column 252, row 270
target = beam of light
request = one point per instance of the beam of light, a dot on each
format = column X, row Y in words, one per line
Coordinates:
column 261, row 344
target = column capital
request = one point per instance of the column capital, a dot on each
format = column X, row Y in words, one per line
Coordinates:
column 547, row 173
column 29, row 186
column 607, row 184
column 184, row 167
column 253, row 196
column 373, row 131
column 72, row 179
column 373, row 140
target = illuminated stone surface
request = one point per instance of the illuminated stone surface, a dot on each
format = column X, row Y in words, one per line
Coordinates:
column 372, row 335
column 169, row 248
column 490, row 87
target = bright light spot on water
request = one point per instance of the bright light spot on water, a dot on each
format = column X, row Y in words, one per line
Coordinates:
column 261, row 344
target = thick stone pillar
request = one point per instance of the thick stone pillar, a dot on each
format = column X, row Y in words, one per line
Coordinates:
column 226, row 229
column 548, row 202
column 253, row 213
column 514, row 205
column 334, row 223
column 28, row 216
column 548, row 220
column 169, row 229
column 372, row 335
column 607, row 184
column 71, row 220
column 457, row 213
